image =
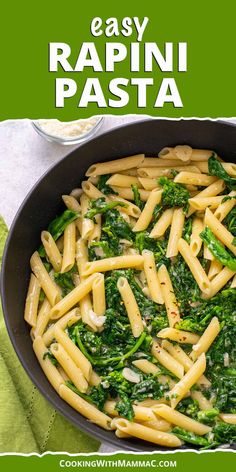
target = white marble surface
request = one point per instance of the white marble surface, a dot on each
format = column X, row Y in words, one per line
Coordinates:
column 24, row 157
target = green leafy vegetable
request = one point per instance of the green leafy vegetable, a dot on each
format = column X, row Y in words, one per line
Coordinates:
column 190, row 437
column 217, row 249
column 50, row 356
column 100, row 206
column 207, row 416
column 224, row 433
column 137, row 199
column 174, row 195
column 57, row 227
column 230, row 221
column 215, row 168
column 65, row 280
column 103, row 186
column 105, row 250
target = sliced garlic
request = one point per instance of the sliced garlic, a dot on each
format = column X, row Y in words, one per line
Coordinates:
column 96, row 320
column 226, row 359
column 99, row 252
column 130, row 375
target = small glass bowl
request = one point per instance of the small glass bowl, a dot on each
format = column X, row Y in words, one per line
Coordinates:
column 68, row 141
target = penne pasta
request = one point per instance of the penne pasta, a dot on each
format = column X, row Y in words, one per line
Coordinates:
column 111, row 263
column 128, row 194
column 131, row 306
column 84, row 408
column 118, row 165
column 169, row 296
column 67, row 320
column 181, row 420
column 214, row 269
column 206, row 339
column 195, row 239
column 147, row 213
column 176, row 230
column 51, row 250
column 73, row 297
column 99, row 299
column 187, row 381
column 151, row 276
column 167, row 361
column 224, row 208
column 193, row 178
column 70, row 368
column 195, row 266
column 51, row 372
column 68, row 259
column 122, row 180
column 155, row 172
column 50, row 289
column 182, row 337
column 148, row 434
column 32, row 301
column 162, row 224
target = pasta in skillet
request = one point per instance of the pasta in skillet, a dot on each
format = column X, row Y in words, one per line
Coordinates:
column 131, row 298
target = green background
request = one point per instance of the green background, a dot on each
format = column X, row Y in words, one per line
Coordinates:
column 185, row 461
column 27, row 89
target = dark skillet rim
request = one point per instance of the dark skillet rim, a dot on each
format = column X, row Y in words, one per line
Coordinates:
column 86, row 426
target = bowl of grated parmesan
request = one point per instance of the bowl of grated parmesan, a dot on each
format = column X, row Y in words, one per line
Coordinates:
column 68, row 133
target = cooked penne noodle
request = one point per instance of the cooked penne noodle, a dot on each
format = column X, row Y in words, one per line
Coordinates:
column 51, row 250
column 193, row 178
column 158, row 423
column 151, row 276
column 228, row 418
column 180, row 355
column 219, row 230
column 49, row 369
column 91, row 191
column 195, row 240
column 71, row 202
column 149, row 184
column 94, row 380
column 99, row 299
column 70, row 368
column 183, row 421
column 131, row 306
column 111, row 263
column 214, row 269
column 50, row 289
column 127, row 193
column 201, row 155
column 74, row 352
column 176, row 230
column 182, row 337
column 187, row 381
column 118, row 165
column 183, row 152
column 201, row 203
column 147, row 213
column 68, row 259
column 167, row 361
column 148, row 434
column 204, row 404
column 43, row 318
column 67, row 320
column 207, row 338
column 130, row 209
column 233, row 284
column 158, row 162
column 219, row 281
column 84, row 408
column 73, row 297
column 96, row 233
column 122, row 180
column 87, row 224
column 195, row 266
column 210, row 191
column 155, row 172
column 81, row 256
column 85, row 306
column 207, row 254
column 225, row 207
column 32, row 301
column 162, row 223
column 169, row 296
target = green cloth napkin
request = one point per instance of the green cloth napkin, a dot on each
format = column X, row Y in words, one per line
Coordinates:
column 27, row 422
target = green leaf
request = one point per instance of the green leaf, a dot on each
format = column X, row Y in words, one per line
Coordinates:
column 217, row 249
column 100, row 206
column 215, row 168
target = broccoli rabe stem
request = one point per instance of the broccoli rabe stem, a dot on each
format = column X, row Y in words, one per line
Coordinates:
column 102, row 361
